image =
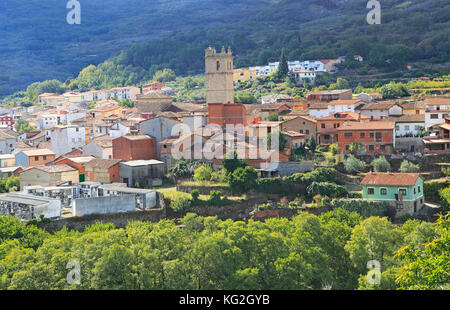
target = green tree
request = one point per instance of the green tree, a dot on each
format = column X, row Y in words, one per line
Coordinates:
column 231, row 162
column 273, row 117
column 380, row 164
column 203, row 173
column 165, row 75
column 408, row 166
column 283, row 68
column 374, row 239
column 243, row 179
column 312, row 144
column 22, row 126
column 353, row 165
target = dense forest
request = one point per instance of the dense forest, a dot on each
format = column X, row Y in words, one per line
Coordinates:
column 410, row 32
column 330, row 251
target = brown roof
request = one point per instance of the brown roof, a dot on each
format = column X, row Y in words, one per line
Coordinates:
column 378, row 106
column 374, row 125
column 406, row 118
column 102, row 163
column 413, row 105
column 344, row 116
column 52, row 169
column 390, row 179
column 344, row 102
column 437, row 101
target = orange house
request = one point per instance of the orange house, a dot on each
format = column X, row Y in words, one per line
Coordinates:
column 34, row 157
column 76, row 162
column 376, row 137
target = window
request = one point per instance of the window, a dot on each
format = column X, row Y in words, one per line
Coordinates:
column 414, row 190
column 362, row 135
column 378, row 137
column 36, row 157
column 347, row 147
column 322, row 125
column 383, row 191
column 434, row 116
column 370, row 191
column 406, row 127
column 371, row 135
column 402, row 191
column 44, row 157
column 371, row 147
column 307, row 131
column 301, row 130
column 397, row 127
column 417, row 127
column 218, row 65
column 418, row 189
column 399, row 206
column 348, row 135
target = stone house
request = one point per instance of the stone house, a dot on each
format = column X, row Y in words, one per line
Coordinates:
column 102, row 170
column 48, row 175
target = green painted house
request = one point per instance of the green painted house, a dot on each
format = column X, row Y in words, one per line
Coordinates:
column 404, row 191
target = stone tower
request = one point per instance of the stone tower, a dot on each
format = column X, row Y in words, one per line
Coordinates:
column 219, row 76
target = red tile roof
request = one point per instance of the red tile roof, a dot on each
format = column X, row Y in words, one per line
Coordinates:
column 374, row 125
column 390, row 179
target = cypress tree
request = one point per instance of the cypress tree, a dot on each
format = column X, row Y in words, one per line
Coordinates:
column 283, row 68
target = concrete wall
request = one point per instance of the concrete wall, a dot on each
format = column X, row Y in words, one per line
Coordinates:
column 102, row 205
column 50, row 210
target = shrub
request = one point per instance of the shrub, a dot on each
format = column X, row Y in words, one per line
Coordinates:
column 219, row 176
column 444, row 195
column 431, row 190
column 334, row 149
column 366, row 208
column 408, row 166
column 353, row 164
column 203, row 173
column 380, row 164
column 243, row 179
column 195, row 194
column 326, row 189
column 214, row 198
column 181, row 204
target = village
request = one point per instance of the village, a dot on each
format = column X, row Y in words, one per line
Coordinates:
column 88, row 154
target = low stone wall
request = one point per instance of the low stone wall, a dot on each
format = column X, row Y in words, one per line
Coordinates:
column 118, row 219
column 204, row 190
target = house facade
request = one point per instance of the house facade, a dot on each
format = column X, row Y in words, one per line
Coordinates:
column 34, row 157
column 403, row 191
column 134, row 147
column 376, row 137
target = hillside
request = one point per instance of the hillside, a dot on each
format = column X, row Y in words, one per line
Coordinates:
column 37, row 44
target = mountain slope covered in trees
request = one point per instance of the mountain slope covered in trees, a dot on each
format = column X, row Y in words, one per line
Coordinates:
column 173, row 34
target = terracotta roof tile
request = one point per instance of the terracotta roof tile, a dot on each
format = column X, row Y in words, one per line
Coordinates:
column 390, row 179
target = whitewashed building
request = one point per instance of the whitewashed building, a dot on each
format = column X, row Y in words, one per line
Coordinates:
column 67, row 138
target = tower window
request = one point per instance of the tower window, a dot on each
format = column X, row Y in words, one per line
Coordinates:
column 218, row 65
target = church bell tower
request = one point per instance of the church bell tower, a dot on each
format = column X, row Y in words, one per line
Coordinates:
column 219, row 76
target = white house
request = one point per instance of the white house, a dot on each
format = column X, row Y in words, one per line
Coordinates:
column 407, row 125
column 67, row 138
column 377, row 111
column 436, row 110
column 322, row 109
